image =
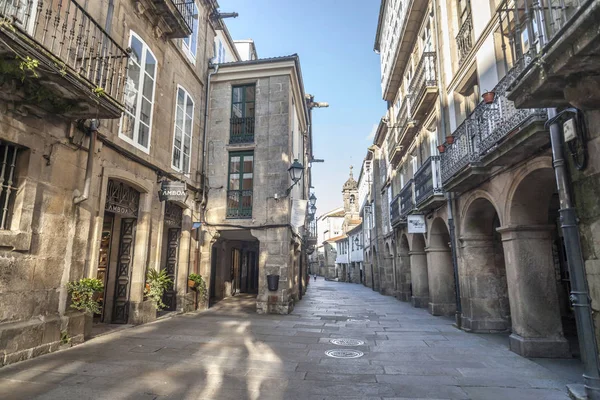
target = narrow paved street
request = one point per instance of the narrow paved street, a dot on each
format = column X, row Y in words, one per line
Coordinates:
column 226, row 353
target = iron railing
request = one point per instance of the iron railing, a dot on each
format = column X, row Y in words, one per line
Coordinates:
column 485, row 127
column 464, row 39
column 407, row 199
column 395, row 210
column 241, row 130
column 425, row 76
column 428, row 180
column 65, row 30
column 186, row 10
column 239, row 204
column 530, row 25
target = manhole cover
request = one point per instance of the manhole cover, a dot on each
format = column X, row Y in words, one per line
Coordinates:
column 344, row 353
column 347, row 342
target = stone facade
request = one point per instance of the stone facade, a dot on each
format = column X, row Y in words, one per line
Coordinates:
column 48, row 239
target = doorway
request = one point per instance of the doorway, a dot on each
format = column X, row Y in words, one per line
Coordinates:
column 169, row 262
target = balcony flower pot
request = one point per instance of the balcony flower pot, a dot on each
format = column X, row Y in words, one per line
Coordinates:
column 441, row 148
column 450, row 139
column 273, row 282
column 191, row 284
column 488, row 97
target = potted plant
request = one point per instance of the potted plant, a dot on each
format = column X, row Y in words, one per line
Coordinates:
column 488, row 97
column 156, row 284
column 441, row 148
column 199, row 285
column 450, row 139
column 83, row 299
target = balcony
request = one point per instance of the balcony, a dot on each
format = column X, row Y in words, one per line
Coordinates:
column 493, row 135
column 395, row 211
column 464, row 39
column 553, row 41
column 241, row 130
column 424, row 86
column 405, row 128
column 176, row 16
column 407, row 199
column 239, row 204
column 428, row 185
column 56, row 59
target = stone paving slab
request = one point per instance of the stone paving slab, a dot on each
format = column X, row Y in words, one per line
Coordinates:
column 228, row 353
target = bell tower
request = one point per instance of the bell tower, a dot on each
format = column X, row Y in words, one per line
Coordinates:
column 350, row 195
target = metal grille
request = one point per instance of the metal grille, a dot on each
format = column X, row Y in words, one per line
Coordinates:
column 186, row 10
column 242, row 130
column 239, row 204
column 427, row 180
column 8, row 154
column 464, row 39
column 407, row 202
column 425, row 76
column 395, row 210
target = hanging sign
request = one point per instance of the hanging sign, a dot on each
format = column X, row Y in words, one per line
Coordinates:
column 172, row 191
column 298, row 213
column 416, row 223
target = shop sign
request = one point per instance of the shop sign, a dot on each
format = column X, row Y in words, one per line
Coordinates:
column 416, row 223
column 172, row 191
column 122, row 199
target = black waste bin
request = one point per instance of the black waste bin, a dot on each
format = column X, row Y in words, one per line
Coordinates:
column 273, row 282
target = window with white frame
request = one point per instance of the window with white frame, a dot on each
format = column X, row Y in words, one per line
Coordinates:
column 136, row 123
column 182, row 139
column 190, row 43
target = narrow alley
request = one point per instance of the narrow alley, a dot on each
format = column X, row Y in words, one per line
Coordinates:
column 230, row 353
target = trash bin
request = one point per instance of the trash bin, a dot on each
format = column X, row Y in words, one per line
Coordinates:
column 273, row 282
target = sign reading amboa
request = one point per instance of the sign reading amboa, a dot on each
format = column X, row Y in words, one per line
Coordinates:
column 172, row 191
column 298, row 213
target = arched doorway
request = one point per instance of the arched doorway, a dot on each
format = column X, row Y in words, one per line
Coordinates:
column 418, row 272
column 170, row 253
column 440, row 272
column 533, row 269
column 404, row 281
column 482, row 273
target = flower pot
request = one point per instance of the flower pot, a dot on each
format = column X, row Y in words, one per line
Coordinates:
column 273, row 282
column 488, row 97
column 450, row 139
column 441, row 148
column 191, row 284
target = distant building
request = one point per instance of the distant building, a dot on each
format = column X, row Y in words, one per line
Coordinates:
column 246, row 49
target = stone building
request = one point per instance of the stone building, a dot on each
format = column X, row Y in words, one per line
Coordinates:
column 469, row 163
column 94, row 117
column 329, row 226
column 257, row 134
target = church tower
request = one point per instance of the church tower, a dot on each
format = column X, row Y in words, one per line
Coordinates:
column 350, row 195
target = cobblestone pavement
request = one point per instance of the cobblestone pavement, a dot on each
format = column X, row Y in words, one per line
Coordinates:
column 232, row 354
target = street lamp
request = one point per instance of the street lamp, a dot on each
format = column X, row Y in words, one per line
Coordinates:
column 312, row 199
column 357, row 243
column 313, row 209
column 296, row 171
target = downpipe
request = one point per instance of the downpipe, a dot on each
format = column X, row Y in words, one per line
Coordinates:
column 90, row 165
column 458, row 315
column 579, row 291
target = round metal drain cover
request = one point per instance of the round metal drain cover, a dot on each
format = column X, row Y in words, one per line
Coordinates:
column 347, row 342
column 344, row 353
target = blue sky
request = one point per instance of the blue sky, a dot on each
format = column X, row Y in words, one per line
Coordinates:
column 334, row 39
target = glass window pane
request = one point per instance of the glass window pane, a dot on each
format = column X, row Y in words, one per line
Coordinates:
column 180, row 97
column 143, row 135
column 146, row 110
column 248, row 163
column 176, row 157
column 249, row 110
column 250, row 93
column 177, row 137
column 187, row 140
column 150, row 64
column 148, row 87
column 179, row 118
column 237, row 94
column 127, row 125
column 189, row 108
column 188, row 126
column 236, row 111
column 186, row 163
column 234, row 164
column 247, row 182
column 234, row 182
column 136, row 49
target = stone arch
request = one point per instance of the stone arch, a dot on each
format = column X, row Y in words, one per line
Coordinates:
column 418, row 271
column 531, row 239
column 475, row 207
column 440, row 272
column 403, row 270
column 482, row 270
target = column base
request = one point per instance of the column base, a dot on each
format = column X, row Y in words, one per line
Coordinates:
column 484, row 325
column 539, row 347
column 446, row 309
column 403, row 296
column 419, row 302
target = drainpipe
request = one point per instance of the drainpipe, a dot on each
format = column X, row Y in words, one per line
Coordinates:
column 458, row 315
column 579, row 291
column 203, row 163
column 90, row 165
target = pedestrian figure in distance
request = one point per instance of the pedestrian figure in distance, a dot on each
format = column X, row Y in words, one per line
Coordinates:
column 315, row 277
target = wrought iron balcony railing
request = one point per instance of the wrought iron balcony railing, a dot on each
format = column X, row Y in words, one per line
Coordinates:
column 239, row 204
column 407, row 199
column 485, row 127
column 70, row 35
column 186, row 10
column 425, row 76
column 395, row 210
column 464, row 39
column 241, row 130
column 428, row 180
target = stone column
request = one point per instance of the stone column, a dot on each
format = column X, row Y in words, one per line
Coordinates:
column 420, row 283
column 403, row 275
column 536, row 323
column 442, row 299
column 484, row 297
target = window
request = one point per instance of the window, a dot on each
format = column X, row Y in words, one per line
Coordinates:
column 8, row 177
column 242, row 114
column 190, row 43
column 136, row 124
column 239, row 185
column 182, row 140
